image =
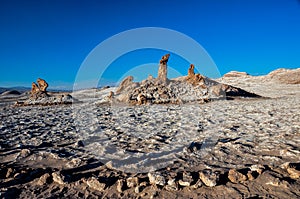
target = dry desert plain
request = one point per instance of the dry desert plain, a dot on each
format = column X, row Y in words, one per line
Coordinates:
column 241, row 148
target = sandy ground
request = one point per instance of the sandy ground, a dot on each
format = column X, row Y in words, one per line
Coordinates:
column 246, row 148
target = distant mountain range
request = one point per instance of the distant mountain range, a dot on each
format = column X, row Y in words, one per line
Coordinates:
column 23, row 89
column 20, row 89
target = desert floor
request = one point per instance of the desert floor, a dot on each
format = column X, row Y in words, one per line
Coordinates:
column 245, row 148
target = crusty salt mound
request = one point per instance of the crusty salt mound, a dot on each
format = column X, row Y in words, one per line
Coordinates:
column 285, row 76
column 161, row 90
column 40, row 96
column 236, row 74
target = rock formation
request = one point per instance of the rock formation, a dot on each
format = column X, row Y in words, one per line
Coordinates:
column 34, row 89
column 236, row 74
column 43, row 85
column 195, row 79
column 191, row 72
column 111, row 95
column 40, row 89
column 191, row 88
column 40, row 96
column 162, row 71
column 285, row 76
column 125, row 83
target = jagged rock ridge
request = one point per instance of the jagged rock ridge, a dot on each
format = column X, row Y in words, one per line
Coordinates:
column 161, row 90
column 40, row 96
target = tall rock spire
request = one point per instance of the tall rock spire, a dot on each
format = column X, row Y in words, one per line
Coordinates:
column 162, row 71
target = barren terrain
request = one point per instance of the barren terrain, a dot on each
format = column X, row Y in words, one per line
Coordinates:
column 243, row 148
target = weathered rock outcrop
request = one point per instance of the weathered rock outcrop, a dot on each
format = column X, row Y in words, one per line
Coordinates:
column 43, row 85
column 34, row 89
column 236, row 74
column 39, row 90
column 125, row 84
column 195, row 79
column 285, row 76
column 40, row 96
column 162, row 71
column 191, row 88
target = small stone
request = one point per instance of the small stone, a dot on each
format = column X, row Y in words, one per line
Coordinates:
column 285, row 165
column 156, row 179
column 143, row 194
column 197, row 185
column 58, row 178
column 272, row 178
column 109, row 165
column 258, row 168
column 17, row 175
column 172, row 185
column 183, row 183
column 120, row 185
column 209, row 178
column 250, row 175
column 187, row 179
column 95, row 184
column 44, row 179
column 294, row 174
column 171, row 188
column 24, row 153
column 171, row 182
column 137, row 189
column 141, row 99
column 9, row 172
column 143, row 184
column 75, row 162
column 132, row 182
column 235, row 177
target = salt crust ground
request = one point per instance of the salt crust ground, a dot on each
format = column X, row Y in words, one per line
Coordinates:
column 71, row 143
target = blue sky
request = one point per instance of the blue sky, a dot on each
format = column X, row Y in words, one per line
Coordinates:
column 50, row 38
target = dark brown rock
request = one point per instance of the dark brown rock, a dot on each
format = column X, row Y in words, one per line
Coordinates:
column 164, row 59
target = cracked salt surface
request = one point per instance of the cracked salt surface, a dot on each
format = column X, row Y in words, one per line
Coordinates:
column 144, row 138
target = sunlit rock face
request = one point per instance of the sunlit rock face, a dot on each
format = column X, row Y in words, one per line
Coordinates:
column 161, row 90
column 40, row 96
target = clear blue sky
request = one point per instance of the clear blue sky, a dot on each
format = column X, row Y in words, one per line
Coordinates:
column 51, row 38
